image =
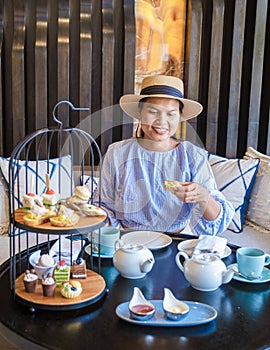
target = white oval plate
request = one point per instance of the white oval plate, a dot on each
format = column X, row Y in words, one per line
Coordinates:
column 150, row 239
column 189, row 245
column 198, row 314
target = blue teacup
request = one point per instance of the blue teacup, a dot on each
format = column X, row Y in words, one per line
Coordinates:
column 251, row 261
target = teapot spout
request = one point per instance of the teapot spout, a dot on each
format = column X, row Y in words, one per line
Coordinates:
column 147, row 265
column 227, row 275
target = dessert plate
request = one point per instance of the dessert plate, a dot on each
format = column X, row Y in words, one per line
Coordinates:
column 264, row 278
column 198, row 314
column 189, row 245
column 150, row 239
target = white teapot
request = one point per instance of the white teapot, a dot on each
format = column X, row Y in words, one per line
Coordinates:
column 205, row 272
column 132, row 261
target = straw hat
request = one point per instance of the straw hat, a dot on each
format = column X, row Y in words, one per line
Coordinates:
column 160, row 86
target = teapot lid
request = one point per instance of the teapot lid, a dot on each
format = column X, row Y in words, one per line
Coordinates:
column 132, row 248
column 205, row 258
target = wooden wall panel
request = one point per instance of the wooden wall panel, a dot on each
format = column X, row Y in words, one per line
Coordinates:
column 77, row 50
column 228, row 41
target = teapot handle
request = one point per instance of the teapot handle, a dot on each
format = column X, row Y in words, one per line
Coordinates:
column 118, row 244
column 178, row 261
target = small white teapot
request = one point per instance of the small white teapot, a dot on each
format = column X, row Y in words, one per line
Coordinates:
column 132, row 261
column 205, row 272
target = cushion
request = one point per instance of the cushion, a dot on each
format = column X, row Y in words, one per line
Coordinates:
column 4, row 212
column 89, row 181
column 235, row 179
column 56, row 170
column 259, row 203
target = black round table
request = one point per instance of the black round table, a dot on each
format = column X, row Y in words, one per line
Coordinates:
column 242, row 321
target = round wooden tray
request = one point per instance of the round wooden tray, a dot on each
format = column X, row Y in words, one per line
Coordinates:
column 85, row 224
column 93, row 289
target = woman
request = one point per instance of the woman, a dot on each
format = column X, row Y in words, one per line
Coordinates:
column 134, row 170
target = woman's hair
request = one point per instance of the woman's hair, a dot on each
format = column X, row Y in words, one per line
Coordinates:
column 139, row 131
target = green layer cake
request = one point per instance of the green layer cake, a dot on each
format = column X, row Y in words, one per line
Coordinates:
column 61, row 272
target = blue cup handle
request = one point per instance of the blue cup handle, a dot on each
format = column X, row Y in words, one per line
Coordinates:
column 267, row 260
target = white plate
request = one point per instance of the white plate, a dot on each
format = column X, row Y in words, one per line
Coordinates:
column 150, row 239
column 198, row 314
column 189, row 245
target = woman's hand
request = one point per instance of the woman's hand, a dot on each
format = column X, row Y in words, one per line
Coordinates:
column 192, row 192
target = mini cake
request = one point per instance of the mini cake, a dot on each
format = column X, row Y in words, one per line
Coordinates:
column 30, row 281
column 71, row 289
column 61, row 272
column 30, row 200
column 48, row 285
column 78, row 269
column 51, row 199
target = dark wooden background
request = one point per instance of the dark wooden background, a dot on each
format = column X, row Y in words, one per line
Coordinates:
column 84, row 51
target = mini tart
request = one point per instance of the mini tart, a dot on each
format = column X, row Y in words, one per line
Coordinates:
column 64, row 221
column 71, row 289
column 31, row 219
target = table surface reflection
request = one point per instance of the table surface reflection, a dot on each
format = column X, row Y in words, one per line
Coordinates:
column 242, row 321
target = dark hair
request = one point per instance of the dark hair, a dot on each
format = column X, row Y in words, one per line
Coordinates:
column 144, row 99
column 141, row 104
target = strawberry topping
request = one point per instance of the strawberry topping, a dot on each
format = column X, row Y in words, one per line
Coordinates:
column 50, row 191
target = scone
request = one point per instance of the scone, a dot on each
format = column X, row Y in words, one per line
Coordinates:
column 71, row 289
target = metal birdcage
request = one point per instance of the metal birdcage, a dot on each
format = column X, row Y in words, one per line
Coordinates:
column 67, row 155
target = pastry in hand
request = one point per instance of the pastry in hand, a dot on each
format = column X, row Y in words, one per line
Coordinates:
column 71, row 289
column 169, row 184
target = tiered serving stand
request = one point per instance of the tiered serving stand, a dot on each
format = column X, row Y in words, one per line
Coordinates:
column 45, row 145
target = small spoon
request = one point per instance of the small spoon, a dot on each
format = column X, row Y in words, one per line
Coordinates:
column 235, row 269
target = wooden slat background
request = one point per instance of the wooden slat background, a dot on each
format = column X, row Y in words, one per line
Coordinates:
column 227, row 70
column 84, row 51
column 77, row 50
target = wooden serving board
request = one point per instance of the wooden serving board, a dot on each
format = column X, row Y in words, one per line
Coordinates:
column 85, row 223
column 92, row 287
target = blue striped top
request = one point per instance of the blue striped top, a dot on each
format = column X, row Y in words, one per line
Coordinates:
column 133, row 194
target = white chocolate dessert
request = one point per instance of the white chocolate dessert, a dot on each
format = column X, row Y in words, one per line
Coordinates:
column 46, row 260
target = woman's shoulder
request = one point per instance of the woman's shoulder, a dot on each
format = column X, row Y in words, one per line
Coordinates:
column 192, row 149
column 122, row 145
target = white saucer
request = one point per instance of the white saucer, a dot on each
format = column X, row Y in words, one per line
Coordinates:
column 95, row 254
column 189, row 245
column 264, row 278
column 150, row 239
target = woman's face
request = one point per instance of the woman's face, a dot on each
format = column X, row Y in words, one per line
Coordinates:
column 159, row 118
